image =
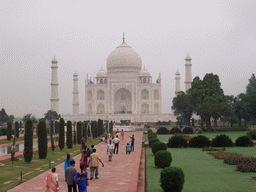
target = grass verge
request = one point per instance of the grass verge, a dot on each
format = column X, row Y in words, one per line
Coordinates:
column 12, row 173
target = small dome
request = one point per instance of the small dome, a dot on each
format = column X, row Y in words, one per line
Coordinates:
column 124, row 57
column 144, row 72
column 102, row 73
column 54, row 59
column 188, row 57
column 177, row 73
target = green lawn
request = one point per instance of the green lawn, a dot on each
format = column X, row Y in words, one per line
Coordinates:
column 233, row 135
column 202, row 171
column 11, row 173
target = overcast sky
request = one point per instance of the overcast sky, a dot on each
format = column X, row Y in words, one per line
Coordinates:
column 220, row 37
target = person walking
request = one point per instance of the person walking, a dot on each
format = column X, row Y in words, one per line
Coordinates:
column 69, row 177
column 84, row 157
column 81, row 178
column 132, row 142
column 110, row 149
column 91, row 149
column 83, row 140
column 122, row 134
column 106, row 136
column 52, row 181
column 116, row 142
column 67, row 162
column 94, row 160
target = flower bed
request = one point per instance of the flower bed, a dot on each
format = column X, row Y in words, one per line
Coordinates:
column 223, row 154
column 237, row 160
column 246, row 167
column 213, row 149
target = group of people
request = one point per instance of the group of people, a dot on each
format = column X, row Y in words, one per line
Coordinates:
column 89, row 158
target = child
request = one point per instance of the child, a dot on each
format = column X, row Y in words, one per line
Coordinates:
column 128, row 148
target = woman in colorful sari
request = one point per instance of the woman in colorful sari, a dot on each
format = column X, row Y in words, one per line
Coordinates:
column 67, row 162
column 51, row 182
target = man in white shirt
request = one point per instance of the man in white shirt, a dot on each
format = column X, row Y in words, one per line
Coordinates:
column 110, row 149
column 116, row 142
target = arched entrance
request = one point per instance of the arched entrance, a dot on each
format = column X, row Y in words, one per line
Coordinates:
column 122, row 101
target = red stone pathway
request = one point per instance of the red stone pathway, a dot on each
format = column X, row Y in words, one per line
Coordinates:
column 119, row 175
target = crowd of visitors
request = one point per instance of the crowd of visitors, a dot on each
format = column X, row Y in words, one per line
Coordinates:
column 89, row 158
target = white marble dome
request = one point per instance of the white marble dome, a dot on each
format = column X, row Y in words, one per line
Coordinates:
column 124, row 57
column 101, row 73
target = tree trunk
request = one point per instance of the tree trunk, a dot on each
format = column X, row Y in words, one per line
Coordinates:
column 240, row 122
column 215, row 124
column 208, row 123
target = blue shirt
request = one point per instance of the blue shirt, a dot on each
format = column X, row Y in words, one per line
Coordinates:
column 91, row 150
column 128, row 148
column 82, row 182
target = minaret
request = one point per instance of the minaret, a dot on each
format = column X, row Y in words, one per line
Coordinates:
column 177, row 78
column 188, row 74
column 54, row 87
column 75, row 95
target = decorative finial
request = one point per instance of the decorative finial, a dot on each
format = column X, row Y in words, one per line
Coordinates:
column 123, row 38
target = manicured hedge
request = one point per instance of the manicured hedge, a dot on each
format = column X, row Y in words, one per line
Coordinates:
column 152, row 141
column 175, row 130
column 199, row 141
column 163, row 130
column 177, row 141
column 158, row 146
column 244, row 141
column 221, row 141
column 163, row 159
column 172, row 179
column 188, row 130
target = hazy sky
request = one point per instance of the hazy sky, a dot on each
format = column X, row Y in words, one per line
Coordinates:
column 220, row 36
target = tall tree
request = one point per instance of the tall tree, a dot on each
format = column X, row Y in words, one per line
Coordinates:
column 251, row 87
column 3, row 116
column 56, row 126
column 51, row 115
column 11, row 118
column 74, row 133
column 17, row 133
column 182, row 106
column 242, row 108
column 9, row 131
column 69, row 134
column 51, row 135
column 207, row 98
column 79, row 131
column 42, row 139
column 85, row 131
column 29, row 116
column 28, row 141
column 61, row 134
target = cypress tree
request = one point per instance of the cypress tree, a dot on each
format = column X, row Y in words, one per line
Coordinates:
column 85, row 133
column 51, row 133
column 111, row 126
column 100, row 127
column 56, row 127
column 42, row 139
column 28, row 141
column 79, row 132
column 9, row 131
column 74, row 133
column 94, row 129
column 61, row 134
column 107, row 127
column 69, row 135
column 17, row 133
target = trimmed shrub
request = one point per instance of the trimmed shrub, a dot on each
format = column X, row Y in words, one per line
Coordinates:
column 158, row 146
column 175, row 130
column 152, row 135
column 177, row 141
column 69, row 135
column 17, row 133
column 61, row 134
column 252, row 134
column 188, row 130
column 172, row 179
column 163, row 130
column 42, row 139
column 244, row 141
column 163, row 159
column 9, row 131
column 150, row 131
column 28, row 141
column 152, row 141
column 221, row 141
column 199, row 141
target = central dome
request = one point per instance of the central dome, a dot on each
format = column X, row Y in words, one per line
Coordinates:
column 124, row 57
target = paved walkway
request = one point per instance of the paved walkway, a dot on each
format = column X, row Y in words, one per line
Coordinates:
column 119, row 175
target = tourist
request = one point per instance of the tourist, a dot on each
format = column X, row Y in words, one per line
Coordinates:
column 106, row 136
column 94, row 160
column 122, row 134
column 84, row 157
column 83, row 140
column 81, row 179
column 132, row 142
column 116, row 142
column 69, row 177
column 52, row 181
column 117, row 131
column 110, row 148
column 128, row 148
column 91, row 149
column 67, row 162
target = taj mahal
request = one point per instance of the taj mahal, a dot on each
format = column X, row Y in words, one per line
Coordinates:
column 125, row 91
